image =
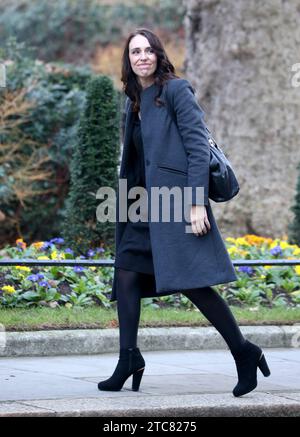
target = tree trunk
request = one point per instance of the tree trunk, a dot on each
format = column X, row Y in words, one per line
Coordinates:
column 239, row 58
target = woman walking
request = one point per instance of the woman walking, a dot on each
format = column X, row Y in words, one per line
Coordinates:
column 157, row 258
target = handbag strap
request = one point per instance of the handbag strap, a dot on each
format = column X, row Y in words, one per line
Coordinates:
column 172, row 114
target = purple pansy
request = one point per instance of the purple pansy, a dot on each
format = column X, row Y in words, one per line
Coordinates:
column 57, row 241
column 44, row 284
column 40, row 275
column 69, row 251
column 90, row 253
column 276, row 251
column 246, row 269
column 32, row 278
column 46, row 245
column 35, row 278
column 78, row 269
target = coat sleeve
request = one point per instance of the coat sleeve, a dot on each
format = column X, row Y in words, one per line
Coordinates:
column 192, row 128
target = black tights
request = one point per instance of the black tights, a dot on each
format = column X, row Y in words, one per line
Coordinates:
column 206, row 299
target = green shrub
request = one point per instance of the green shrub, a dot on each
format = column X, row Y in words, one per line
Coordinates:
column 53, row 28
column 94, row 165
column 74, row 28
column 40, row 109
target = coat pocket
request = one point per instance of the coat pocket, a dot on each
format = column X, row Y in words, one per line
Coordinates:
column 171, row 170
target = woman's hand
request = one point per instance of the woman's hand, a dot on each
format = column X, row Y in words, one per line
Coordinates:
column 199, row 220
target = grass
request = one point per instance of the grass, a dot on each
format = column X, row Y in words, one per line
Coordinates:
column 32, row 319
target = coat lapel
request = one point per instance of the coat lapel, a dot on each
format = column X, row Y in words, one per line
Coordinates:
column 127, row 139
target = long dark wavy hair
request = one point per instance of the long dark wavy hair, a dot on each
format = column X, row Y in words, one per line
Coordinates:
column 164, row 71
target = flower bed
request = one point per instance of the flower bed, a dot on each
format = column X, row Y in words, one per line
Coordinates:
column 264, row 285
column 54, row 286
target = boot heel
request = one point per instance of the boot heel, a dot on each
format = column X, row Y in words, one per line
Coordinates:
column 136, row 379
column 263, row 366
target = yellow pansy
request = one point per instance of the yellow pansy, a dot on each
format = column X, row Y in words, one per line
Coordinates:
column 283, row 244
column 233, row 250
column 252, row 239
column 25, row 268
column 8, row 289
column 297, row 251
column 297, row 270
column 38, row 244
column 294, row 246
column 275, row 243
column 268, row 241
column 241, row 241
column 230, row 240
column 56, row 255
column 255, row 240
column 21, row 243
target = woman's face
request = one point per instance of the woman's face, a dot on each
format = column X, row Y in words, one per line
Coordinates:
column 142, row 58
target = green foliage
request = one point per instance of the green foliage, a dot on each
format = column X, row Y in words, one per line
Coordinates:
column 247, row 296
column 55, row 95
column 52, row 27
column 257, row 288
column 75, row 27
column 94, row 165
column 294, row 227
column 53, row 286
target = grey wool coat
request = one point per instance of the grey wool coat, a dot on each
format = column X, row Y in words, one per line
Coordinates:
column 175, row 154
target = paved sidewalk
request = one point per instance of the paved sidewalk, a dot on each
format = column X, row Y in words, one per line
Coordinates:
column 175, row 383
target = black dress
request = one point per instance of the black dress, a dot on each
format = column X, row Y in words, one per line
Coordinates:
column 134, row 251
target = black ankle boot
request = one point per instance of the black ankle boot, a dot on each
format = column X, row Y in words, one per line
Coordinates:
column 130, row 362
column 247, row 362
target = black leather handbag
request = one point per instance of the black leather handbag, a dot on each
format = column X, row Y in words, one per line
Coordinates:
column 223, row 184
